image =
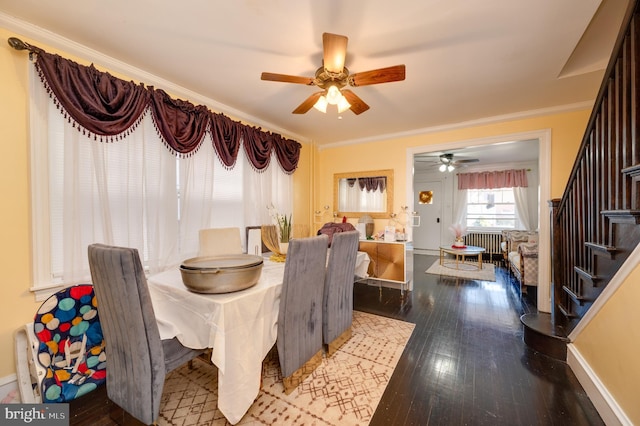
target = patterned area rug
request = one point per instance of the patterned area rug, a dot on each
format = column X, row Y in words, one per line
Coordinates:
column 344, row 390
column 467, row 270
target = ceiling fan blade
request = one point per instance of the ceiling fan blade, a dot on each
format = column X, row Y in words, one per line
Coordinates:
column 308, row 103
column 335, row 51
column 357, row 105
column 382, row 75
column 286, row 78
column 467, row 160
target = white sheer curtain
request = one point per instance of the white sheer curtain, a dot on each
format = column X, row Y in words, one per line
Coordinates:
column 133, row 192
column 460, row 207
column 121, row 193
column 213, row 196
column 197, row 175
column 520, row 196
column 270, row 187
column 349, row 196
column 355, row 199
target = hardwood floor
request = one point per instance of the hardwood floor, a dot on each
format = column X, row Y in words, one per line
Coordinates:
column 466, row 363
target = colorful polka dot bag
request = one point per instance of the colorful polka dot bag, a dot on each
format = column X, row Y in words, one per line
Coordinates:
column 71, row 346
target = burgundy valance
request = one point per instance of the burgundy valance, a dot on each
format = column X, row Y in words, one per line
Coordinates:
column 372, row 183
column 257, row 147
column 225, row 134
column 493, row 180
column 368, row 183
column 109, row 107
column 181, row 124
column 97, row 101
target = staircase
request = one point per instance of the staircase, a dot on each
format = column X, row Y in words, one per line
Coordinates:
column 594, row 227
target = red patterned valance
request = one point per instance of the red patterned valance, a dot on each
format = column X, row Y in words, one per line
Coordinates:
column 108, row 107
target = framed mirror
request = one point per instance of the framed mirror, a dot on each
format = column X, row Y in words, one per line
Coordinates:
column 359, row 193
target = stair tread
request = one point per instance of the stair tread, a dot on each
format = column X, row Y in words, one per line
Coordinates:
column 576, row 297
column 541, row 323
column 566, row 312
column 600, row 247
column 632, row 170
column 622, row 216
column 584, row 273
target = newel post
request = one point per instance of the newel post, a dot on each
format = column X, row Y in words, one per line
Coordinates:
column 556, row 260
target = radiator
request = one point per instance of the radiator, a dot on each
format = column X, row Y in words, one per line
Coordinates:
column 488, row 241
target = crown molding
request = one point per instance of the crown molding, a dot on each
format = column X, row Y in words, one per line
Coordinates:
column 578, row 106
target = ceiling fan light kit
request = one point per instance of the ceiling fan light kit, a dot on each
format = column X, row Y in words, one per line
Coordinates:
column 446, row 162
column 333, row 96
column 321, row 104
column 333, row 76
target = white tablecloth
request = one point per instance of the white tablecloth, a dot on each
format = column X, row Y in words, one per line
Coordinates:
column 240, row 328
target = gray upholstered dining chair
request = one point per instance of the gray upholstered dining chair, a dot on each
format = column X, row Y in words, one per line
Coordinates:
column 299, row 340
column 138, row 359
column 337, row 308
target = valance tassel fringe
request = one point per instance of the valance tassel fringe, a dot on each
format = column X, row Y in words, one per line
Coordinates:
column 105, row 106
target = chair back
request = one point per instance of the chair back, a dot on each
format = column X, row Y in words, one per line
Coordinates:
column 135, row 357
column 220, row 241
column 70, row 344
column 300, row 313
column 337, row 312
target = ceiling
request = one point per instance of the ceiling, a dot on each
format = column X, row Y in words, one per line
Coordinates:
column 466, row 61
column 521, row 151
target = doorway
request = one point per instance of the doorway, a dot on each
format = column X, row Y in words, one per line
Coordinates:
column 543, row 137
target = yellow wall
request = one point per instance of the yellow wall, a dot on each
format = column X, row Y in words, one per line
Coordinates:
column 18, row 304
column 567, row 130
column 610, row 344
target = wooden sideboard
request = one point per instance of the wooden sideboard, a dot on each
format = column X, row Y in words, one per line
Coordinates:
column 391, row 261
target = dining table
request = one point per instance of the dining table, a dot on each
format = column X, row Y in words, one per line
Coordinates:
column 239, row 327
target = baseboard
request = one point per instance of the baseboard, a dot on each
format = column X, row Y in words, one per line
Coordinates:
column 603, row 401
column 426, row 252
column 397, row 285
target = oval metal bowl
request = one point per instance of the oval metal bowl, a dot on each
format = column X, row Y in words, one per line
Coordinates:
column 221, row 274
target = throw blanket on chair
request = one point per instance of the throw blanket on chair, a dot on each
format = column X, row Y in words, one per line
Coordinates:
column 331, row 228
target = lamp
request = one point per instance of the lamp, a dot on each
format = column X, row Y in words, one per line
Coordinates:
column 343, row 104
column 447, row 163
column 321, row 104
column 333, row 96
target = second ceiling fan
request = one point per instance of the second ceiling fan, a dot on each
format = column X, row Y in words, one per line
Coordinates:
column 333, row 76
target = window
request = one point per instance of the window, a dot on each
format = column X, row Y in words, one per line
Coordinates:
column 132, row 191
column 491, row 208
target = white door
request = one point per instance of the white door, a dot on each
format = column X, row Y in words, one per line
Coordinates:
column 428, row 205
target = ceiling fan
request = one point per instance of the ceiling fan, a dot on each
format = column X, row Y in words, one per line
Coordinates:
column 333, row 76
column 445, row 161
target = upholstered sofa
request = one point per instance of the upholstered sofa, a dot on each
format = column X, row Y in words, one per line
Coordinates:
column 520, row 252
